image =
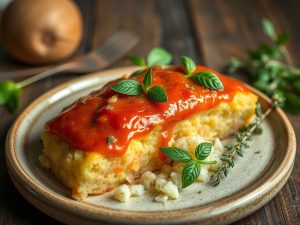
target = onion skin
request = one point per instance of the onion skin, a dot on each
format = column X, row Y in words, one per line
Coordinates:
column 41, row 31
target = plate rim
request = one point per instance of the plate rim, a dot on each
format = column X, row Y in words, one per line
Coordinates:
column 281, row 174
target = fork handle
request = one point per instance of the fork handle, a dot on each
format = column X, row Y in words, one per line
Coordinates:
column 47, row 73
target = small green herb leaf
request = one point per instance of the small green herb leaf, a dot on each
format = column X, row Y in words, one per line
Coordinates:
column 128, row 87
column 109, row 107
column 188, row 64
column 111, row 139
column 282, row 38
column 292, row 103
column 296, row 87
column 136, row 60
column 10, row 95
column 203, row 150
column 208, row 80
column 159, row 57
column 190, row 173
column 177, row 154
column 157, row 94
column 234, row 65
column 148, row 79
column 268, row 28
column 137, row 72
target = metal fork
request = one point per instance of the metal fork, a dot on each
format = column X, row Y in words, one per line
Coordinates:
column 102, row 56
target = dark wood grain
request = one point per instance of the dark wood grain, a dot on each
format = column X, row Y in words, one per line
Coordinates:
column 208, row 30
column 227, row 28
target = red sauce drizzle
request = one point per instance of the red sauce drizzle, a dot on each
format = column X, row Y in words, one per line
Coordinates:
column 88, row 122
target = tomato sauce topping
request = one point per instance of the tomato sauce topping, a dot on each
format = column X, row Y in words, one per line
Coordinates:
column 89, row 122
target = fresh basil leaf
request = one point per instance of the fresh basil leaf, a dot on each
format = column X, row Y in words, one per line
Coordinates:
column 203, row 150
column 159, row 57
column 282, row 38
column 188, row 64
column 190, row 173
column 177, row 154
column 157, row 94
column 148, row 79
column 136, row 60
column 128, row 87
column 208, row 80
column 269, row 29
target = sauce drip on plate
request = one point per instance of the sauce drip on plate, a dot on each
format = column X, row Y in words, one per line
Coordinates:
column 89, row 122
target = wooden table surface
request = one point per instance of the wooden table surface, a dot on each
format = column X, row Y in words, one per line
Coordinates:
column 210, row 31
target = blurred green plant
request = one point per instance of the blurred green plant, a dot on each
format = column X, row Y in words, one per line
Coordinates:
column 271, row 69
column 10, row 95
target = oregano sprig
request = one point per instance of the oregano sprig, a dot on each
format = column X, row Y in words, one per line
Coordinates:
column 192, row 168
column 133, row 87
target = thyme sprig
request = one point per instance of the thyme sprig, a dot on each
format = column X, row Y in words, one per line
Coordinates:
column 241, row 140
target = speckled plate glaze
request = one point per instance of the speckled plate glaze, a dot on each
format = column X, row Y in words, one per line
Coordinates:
column 254, row 180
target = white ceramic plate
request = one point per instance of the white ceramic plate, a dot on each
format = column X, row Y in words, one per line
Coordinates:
column 254, row 180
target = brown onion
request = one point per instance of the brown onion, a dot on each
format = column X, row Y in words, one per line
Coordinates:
column 41, row 31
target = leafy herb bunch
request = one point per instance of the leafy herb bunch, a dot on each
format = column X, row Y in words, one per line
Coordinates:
column 272, row 69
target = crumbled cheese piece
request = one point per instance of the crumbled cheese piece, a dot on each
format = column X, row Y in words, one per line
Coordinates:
column 122, row 193
column 137, row 190
column 159, row 183
column 176, row 179
column 168, row 182
column 170, row 190
column 204, row 177
column 161, row 176
column 189, row 143
column 161, row 198
column 147, row 179
column 166, row 169
column 112, row 99
column 217, row 151
column 218, row 146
